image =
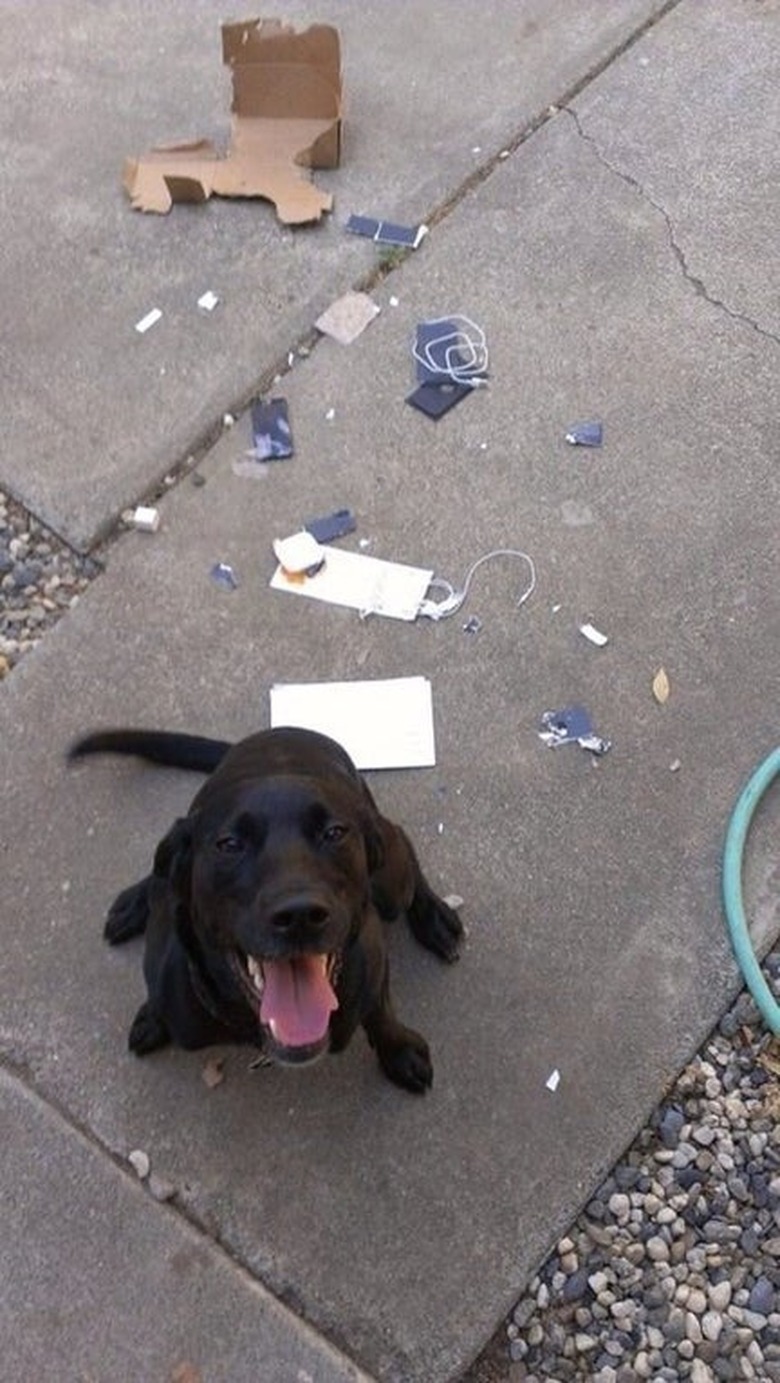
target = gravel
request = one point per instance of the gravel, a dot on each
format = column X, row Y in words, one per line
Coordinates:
column 40, row 579
column 672, row 1271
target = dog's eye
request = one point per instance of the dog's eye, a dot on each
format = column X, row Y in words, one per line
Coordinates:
column 229, row 845
column 334, row 833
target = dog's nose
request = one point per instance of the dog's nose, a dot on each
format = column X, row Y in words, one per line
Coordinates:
column 301, row 914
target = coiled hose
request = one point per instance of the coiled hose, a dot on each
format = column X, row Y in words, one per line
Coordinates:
column 733, row 853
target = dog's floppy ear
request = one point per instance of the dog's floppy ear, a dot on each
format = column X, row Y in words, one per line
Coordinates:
column 173, row 856
column 372, row 838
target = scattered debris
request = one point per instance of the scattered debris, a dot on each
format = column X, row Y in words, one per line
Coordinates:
column 300, row 555
column 661, row 687
column 454, row 900
column 222, row 574
column 387, row 232
column 228, row 420
column 381, row 724
column 440, row 828
column 451, row 359
column 331, row 526
column 139, row 1161
column 271, row 432
column 393, row 300
column 263, row 1059
column 572, row 725
column 553, row 1080
column 675, row 766
column 366, row 584
column 213, row 1072
column 453, row 600
column 207, row 301
column 594, row 635
column 434, row 400
column 347, row 317
column 473, row 625
column 146, row 519
column 149, row 320
column 330, row 415
column 585, row 435
column 286, row 119
column 450, row 350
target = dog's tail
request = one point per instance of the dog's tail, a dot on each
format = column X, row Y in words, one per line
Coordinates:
column 166, row 747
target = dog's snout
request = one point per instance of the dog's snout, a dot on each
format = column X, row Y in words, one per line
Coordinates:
column 300, row 914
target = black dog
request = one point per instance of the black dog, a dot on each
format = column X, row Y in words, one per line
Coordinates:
column 262, row 909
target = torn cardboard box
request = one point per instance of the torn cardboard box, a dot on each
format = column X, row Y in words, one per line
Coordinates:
column 286, row 118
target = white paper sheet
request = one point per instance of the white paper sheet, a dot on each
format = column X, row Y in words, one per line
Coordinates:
column 362, row 583
column 381, row 724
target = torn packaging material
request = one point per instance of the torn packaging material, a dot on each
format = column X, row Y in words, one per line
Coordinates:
column 286, row 117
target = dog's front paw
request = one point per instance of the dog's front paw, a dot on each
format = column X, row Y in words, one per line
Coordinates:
column 435, row 924
column 128, row 914
column 147, row 1032
column 406, row 1059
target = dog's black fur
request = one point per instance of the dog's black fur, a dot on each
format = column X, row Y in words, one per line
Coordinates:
column 262, row 911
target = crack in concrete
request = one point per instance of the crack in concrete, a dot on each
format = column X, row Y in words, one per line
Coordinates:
column 697, row 284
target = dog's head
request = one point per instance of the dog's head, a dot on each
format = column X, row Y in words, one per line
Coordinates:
column 272, row 878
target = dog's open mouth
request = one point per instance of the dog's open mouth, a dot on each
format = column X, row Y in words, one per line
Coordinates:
column 296, row 998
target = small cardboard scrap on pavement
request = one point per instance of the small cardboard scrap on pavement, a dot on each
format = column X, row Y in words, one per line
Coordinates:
column 146, row 519
column 367, row 584
column 347, row 317
column 286, row 119
column 381, row 724
column 387, row 232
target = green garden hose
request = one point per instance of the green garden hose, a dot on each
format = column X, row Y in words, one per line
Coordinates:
column 736, row 836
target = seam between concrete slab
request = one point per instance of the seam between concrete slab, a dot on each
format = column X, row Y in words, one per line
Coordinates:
column 21, row 1076
column 696, row 283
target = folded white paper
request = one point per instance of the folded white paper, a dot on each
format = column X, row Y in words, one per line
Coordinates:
column 367, row 584
column 381, row 724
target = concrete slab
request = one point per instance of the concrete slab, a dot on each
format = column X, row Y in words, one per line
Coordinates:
column 403, row 1228
column 93, row 1242
column 718, row 192
column 95, row 414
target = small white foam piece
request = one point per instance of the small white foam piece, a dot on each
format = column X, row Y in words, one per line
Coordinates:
column 366, row 584
column 146, row 519
column 299, row 553
column 149, row 320
column 208, row 301
column 387, row 723
column 593, row 635
column 553, row 1080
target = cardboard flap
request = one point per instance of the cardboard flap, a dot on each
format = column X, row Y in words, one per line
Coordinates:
column 286, row 116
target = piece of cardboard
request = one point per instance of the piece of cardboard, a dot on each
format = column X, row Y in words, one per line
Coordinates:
column 286, row 118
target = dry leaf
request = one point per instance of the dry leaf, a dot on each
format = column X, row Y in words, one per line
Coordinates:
column 212, row 1072
column 661, row 687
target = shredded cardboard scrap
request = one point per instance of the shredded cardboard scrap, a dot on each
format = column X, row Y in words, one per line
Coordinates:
column 286, row 118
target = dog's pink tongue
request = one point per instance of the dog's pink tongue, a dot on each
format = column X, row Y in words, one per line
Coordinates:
column 298, row 999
